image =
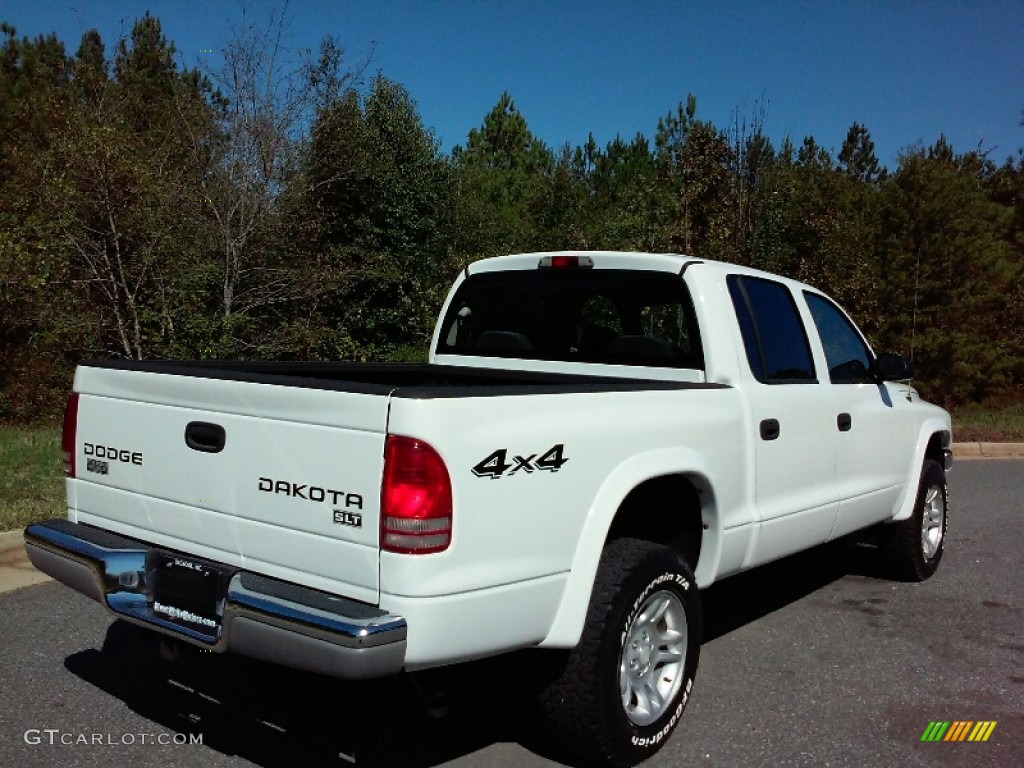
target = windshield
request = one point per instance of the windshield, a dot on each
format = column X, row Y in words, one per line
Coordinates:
column 611, row 316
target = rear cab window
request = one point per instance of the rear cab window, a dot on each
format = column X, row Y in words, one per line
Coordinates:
column 774, row 337
column 608, row 316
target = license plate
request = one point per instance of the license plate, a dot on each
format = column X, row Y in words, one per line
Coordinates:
column 187, row 592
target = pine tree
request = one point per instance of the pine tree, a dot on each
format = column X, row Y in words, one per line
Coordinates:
column 857, row 156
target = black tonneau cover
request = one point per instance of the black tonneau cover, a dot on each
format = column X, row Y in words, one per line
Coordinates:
column 409, row 380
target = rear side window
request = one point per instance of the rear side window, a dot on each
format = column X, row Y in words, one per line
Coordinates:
column 848, row 358
column 773, row 334
column 610, row 316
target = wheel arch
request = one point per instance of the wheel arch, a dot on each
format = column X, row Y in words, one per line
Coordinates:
column 933, row 439
column 622, row 508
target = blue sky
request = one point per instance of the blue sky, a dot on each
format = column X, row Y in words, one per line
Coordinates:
column 909, row 70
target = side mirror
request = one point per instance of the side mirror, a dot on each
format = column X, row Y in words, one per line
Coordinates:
column 891, row 367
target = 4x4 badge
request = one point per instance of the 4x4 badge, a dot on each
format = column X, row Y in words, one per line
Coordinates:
column 496, row 464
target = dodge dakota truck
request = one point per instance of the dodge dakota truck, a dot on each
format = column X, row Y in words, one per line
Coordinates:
column 597, row 436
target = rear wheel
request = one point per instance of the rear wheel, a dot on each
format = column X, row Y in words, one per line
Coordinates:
column 623, row 689
column 913, row 547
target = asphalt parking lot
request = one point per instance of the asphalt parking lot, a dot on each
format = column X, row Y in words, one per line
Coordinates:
column 811, row 661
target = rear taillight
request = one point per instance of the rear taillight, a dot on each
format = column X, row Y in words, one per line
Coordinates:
column 415, row 499
column 67, row 437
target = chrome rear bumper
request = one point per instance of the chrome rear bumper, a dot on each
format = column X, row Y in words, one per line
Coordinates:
column 261, row 617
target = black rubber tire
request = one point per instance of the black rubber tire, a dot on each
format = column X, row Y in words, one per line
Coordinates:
column 901, row 544
column 581, row 708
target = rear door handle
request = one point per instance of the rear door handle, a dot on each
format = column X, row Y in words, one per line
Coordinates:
column 844, row 421
column 770, row 429
column 205, row 437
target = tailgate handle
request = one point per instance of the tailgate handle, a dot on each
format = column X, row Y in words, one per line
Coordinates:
column 205, row 437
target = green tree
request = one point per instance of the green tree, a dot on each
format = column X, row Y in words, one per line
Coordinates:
column 625, row 196
column 376, row 179
column 122, row 188
column 694, row 159
column 857, row 156
column 500, row 182
column 752, row 155
column 265, row 103
column 950, row 275
column 38, row 313
column 90, row 70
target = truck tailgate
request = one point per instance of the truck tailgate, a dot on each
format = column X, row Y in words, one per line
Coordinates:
column 293, row 491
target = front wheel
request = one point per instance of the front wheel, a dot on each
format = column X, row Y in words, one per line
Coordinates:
column 913, row 547
column 624, row 687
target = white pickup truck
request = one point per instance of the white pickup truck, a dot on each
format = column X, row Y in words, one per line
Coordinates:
column 597, row 437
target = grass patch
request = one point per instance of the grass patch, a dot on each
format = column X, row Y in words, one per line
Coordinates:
column 31, row 476
column 989, row 423
column 409, row 353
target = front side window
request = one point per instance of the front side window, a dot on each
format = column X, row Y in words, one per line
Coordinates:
column 609, row 316
column 848, row 357
column 773, row 333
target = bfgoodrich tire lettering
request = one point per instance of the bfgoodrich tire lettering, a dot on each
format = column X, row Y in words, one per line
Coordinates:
column 913, row 547
column 623, row 689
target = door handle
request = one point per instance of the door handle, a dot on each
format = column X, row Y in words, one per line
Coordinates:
column 770, row 429
column 205, row 437
column 844, row 421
